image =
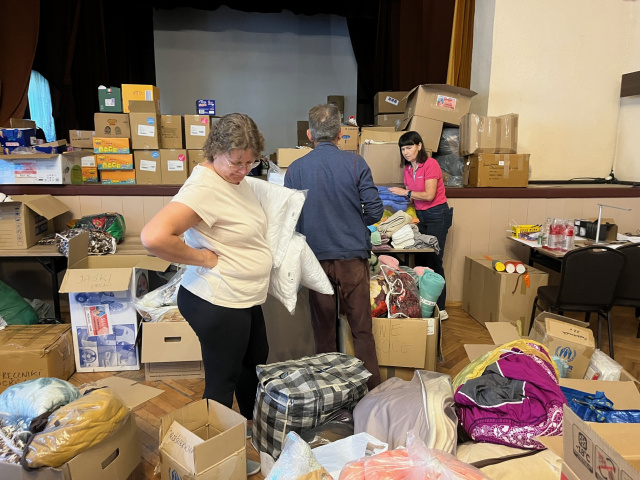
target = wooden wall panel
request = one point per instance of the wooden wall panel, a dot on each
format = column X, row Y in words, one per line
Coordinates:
column 133, row 211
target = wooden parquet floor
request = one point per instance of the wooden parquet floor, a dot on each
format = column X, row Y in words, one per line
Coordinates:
column 458, row 330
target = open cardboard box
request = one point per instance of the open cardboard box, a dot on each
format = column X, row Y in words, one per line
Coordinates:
column 565, row 337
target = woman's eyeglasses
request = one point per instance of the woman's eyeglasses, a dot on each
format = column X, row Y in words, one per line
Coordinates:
column 241, row 166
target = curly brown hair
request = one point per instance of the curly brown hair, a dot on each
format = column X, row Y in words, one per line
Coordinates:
column 235, row 130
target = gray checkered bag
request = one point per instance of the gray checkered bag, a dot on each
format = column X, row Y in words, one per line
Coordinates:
column 299, row 395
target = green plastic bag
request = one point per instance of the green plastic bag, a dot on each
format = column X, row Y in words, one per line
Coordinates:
column 14, row 309
column 110, row 222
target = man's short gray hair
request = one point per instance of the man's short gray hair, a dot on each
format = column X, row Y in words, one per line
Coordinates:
column 324, row 123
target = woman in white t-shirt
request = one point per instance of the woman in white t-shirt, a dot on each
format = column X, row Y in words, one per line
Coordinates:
column 228, row 258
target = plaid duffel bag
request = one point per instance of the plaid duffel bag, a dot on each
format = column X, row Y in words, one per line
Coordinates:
column 298, row 395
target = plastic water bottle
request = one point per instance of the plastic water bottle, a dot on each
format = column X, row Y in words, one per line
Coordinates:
column 556, row 234
column 543, row 238
column 569, row 234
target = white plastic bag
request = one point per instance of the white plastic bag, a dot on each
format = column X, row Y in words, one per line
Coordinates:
column 161, row 304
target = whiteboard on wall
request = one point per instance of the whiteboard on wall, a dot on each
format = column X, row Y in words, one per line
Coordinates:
column 272, row 66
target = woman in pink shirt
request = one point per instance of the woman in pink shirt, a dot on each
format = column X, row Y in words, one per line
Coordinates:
column 424, row 185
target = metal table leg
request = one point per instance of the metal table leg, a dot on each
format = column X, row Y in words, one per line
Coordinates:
column 54, row 265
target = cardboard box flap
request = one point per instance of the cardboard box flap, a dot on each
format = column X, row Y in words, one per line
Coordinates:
column 555, row 444
column 142, row 106
column 404, row 123
column 96, row 280
column 502, row 332
column 45, row 205
column 153, row 263
column 37, row 338
column 443, row 88
column 568, row 332
column 22, row 123
column 220, row 446
column 192, row 416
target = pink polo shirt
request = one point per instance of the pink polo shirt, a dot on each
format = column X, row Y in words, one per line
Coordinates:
column 414, row 181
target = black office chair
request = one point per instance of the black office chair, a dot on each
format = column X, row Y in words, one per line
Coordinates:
column 588, row 281
column 628, row 291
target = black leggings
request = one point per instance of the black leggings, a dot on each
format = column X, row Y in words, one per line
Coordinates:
column 233, row 341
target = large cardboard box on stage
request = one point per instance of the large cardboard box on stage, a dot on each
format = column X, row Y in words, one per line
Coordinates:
column 496, row 170
column 479, row 134
column 446, row 103
column 218, row 453
column 429, row 129
column 490, row 296
column 389, row 102
column 34, row 351
column 28, row 218
column 384, row 161
column 171, row 350
column 103, row 319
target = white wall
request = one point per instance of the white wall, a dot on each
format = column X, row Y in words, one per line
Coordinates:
column 627, row 160
column 273, row 67
column 482, row 53
column 558, row 65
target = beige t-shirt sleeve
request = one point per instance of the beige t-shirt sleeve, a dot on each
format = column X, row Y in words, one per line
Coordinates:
column 194, row 196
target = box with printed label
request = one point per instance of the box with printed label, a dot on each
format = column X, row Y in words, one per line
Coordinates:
column 113, row 177
column 194, row 157
column 149, row 93
column 196, row 131
column 480, row 134
column 491, row 296
column 400, row 342
column 115, row 125
column 27, row 218
column 171, row 135
column 496, row 170
column 171, row 350
column 286, row 156
column 174, row 165
column 11, row 138
column 143, row 119
column 445, row 103
column 429, row 129
column 148, row 170
column 104, row 321
column 110, row 99
column 110, row 145
column 114, row 161
column 389, row 102
column 206, row 107
column 34, row 351
column 388, row 119
column 41, row 169
column 203, row 440
column 81, row 138
column 567, row 339
column 90, row 175
column 349, row 139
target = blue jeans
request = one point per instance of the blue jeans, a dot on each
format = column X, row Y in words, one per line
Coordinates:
column 435, row 221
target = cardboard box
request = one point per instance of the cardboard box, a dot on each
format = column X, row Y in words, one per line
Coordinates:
column 601, row 451
column 338, row 101
column 110, row 99
column 407, row 343
column 41, row 168
column 222, row 455
column 496, row 170
column 379, row 134
column 196, row 131
column 27, row 219
column 523, row 231
column 148, row 169
column 110, row 145
column 81, row 138
column 439, row 102
column 143, row 119
column 430, row 130
column 57, row 146
column 114, row 125
column 114, row 161
column 286, row 156
column 568, row 339
column 490, row 296
column 171, row 350
column 349, row 139
column 90, row 175
column 587, row 228
column 114, row 177
column 384, row 161
column 103, row 320
column 22, row 123
column 171, row 135
column 115, row 458
column 175, row 168
column 388, row 119
column 149, row 93
column 205, row 107
column 194, row 157
column 480, row 134
column 303, row 139
column 35, row 351
column 389, row 102
column 17, row 137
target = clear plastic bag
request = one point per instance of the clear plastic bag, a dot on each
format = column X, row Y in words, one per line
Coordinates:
column 295, row 461
column 403, row 297
column 161, row 304
column 275, row 174
column 100, row 243
column 603, row 367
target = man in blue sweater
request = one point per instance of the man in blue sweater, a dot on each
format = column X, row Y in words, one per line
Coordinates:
column 342, row 201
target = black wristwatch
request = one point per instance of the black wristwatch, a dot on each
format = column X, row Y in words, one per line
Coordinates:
column 409, row 194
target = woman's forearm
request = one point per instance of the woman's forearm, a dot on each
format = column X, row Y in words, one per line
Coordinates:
column 173, row 249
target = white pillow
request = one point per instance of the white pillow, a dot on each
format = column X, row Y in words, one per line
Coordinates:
column 313, row 276
column 285, row 279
